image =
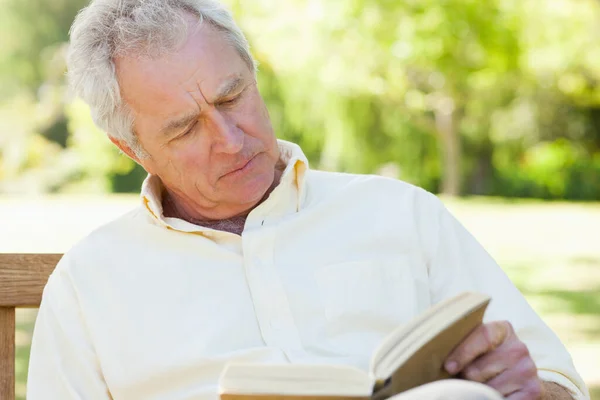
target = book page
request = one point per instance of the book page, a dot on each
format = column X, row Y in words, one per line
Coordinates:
column 422, row 347
column 295, row 380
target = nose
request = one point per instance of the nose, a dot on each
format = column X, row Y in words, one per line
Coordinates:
column 226, row 136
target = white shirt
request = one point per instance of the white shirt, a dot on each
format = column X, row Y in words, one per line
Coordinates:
column 149, row 307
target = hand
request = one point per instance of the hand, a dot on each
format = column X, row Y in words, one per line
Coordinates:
column 493, row 354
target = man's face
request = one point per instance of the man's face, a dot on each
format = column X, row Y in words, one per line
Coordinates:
column 200, row 117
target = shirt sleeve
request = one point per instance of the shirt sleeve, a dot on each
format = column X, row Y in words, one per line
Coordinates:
column 63, row 364
column 459, row 263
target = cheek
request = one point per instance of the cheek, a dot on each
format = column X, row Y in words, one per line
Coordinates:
column 258, row 125
column 255, row 117
column 189, row 160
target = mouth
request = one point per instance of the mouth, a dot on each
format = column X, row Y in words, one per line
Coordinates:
column 240, row 168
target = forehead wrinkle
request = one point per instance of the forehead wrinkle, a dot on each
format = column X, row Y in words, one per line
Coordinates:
column 229, row 86
column 198, row 96
column 201, row 94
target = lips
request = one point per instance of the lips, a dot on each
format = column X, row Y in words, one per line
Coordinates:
column 241, row 165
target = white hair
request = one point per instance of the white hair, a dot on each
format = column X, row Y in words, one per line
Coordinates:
column 109, row 28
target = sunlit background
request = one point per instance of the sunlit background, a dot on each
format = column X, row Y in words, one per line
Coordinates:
column 494, row 105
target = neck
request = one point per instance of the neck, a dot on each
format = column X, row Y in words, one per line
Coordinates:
column 234, row 224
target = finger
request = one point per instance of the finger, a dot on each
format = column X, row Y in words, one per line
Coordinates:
column 485, row 368
column 495, row 362
column 533, row 391
column 483, row 339
column 515, row 379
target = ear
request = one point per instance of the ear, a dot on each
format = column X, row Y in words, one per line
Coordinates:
column 124, row 147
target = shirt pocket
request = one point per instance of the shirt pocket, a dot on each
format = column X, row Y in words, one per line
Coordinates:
column 367, row 295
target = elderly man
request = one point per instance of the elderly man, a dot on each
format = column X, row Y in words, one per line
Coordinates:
column 238, row 251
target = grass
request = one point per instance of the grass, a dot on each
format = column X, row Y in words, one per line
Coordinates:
column 550, row 250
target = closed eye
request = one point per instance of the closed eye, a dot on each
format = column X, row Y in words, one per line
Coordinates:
column 187, row 131
column 229, row 102
column 234, row 99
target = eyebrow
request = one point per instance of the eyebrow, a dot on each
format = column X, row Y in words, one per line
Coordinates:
column 229, row 87
column 226, row 89
column 179, row 123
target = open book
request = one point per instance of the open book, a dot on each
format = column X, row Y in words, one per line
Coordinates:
column 409, row 356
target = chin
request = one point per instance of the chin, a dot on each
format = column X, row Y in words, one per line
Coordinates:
column 254, row 190
column 251, row 185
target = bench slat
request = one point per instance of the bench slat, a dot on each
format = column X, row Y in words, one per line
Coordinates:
column 23, row 277
column 7, row 353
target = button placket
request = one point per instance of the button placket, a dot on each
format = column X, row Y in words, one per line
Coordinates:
column 269, row 296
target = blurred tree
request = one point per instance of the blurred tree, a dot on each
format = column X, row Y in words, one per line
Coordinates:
column 363, row 79
column 55, row 145
column 461, row 96
column 31, row 33
column 430, row 65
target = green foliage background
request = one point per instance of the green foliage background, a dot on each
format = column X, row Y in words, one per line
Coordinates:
column 497, row 97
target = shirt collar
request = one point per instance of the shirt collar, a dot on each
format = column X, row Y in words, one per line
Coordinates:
column 287, row 197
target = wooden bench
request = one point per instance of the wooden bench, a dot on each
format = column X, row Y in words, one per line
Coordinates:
column 22, row 280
